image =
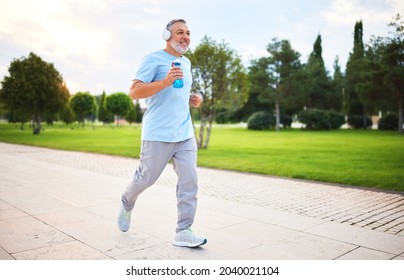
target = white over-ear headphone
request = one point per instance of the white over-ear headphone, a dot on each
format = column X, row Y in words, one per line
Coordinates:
column 166, row 34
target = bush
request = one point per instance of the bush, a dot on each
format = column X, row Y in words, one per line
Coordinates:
column 336, row 119
column 259, row 121
column 286, row 120
column 222, row 116
column 316, row 119
column 356, row 121
column 388, row 122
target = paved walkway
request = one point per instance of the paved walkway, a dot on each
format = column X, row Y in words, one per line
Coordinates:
column 63, row 205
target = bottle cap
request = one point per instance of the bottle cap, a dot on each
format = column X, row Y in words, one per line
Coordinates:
column 176, row 63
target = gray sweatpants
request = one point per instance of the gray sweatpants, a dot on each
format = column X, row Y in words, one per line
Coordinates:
column 154, row 157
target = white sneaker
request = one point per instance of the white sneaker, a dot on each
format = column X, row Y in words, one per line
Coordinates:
column 186, row 238
column 124, row 219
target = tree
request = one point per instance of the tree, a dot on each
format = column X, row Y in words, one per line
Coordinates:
column 131, row 115
column 35, row 88
column 354, row 69
column 288, row 80
column 369, row 83
column 138, row 112
column 67, row 114
column 260, row 97
column 84, row 105
column 135, row 113
column 337, row 101
column 320, row 86
column 119, row 104
column 380, row 82
column 18, row 116
column 393, row 60
column 220, row 77
column 103, row 114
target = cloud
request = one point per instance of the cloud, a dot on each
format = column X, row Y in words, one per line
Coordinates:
column 56, row 30
column 79, row 37
column 340, row 18
column 372, row 12
column 97, row 44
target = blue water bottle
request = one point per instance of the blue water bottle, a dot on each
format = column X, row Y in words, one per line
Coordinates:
column 177, row 83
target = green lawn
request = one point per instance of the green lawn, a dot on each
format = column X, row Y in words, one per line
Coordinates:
column 364, row 158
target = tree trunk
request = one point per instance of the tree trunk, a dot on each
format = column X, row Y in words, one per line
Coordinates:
column 36, row 125
column 205, row 130
column 201, row 133
column 364, row 122
column 277, row 116
column 207, row 138
column 400, row 113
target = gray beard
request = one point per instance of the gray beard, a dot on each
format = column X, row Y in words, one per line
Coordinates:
column 178, row 48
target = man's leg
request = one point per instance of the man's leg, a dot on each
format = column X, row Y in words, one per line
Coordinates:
column 153, row 159
column 184, row 160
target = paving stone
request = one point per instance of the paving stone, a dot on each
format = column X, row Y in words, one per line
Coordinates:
column 362, row 237
column 361, row 253
column 73, row 250
column 27, row 233
column 63, row 205
column 4, row 255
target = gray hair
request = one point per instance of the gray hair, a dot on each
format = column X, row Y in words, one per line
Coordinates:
column 170, row 24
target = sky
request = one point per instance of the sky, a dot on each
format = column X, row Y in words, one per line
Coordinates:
column 97, row 45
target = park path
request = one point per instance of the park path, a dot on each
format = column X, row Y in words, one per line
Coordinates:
column 51, row 198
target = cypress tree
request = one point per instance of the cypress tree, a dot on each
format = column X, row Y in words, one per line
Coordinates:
column 103, row 114
column 353, row 71
column 320, row 85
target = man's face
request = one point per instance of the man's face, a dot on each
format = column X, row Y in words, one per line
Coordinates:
column 180, row 37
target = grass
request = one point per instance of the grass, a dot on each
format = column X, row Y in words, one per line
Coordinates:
column 366, row 158
column 363, row 158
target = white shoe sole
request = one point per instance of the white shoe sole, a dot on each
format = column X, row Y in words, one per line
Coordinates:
column 190, row 245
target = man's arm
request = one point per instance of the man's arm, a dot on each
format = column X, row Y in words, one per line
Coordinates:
column 139, row 89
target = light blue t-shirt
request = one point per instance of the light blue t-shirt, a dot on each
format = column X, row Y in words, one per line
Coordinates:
column 167, row 118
